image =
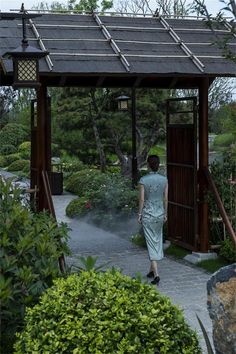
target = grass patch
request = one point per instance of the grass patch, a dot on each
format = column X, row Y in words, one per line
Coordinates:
column 176, row 251
column 139, row 240
column 212, row 265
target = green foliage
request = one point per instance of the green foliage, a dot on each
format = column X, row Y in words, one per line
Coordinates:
column 3, row 161
column 77, row 207
column 105, row 312
column 71, row 164
column 139, row 239
column 176, row 251
column 8, row 149
column 25, row 150
column 106, row 198
column 223, row 140
column 212, row 265
column 11, row 158
column 88, row 264
column 19, row 165
column 13, row 134
column 221, row 173
column 228, row 250
column 30, row 245
column 86, row 180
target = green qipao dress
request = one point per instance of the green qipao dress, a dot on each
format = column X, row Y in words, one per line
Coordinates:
column 153, row 213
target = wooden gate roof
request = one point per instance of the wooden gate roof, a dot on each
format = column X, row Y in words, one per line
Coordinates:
column 95, row 50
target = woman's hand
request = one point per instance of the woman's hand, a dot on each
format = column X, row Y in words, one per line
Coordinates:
column 140, row 218
column 165, row 218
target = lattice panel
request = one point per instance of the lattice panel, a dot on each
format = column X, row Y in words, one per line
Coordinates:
column 27, row 70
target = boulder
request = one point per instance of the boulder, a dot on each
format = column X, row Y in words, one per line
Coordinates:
column 221, row 291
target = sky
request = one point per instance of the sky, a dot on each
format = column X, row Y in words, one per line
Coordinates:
column 5, row 5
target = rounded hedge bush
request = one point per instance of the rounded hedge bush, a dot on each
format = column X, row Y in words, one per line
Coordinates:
column 18, row 165
column 25, row 150
column 3, row 161
column 105, row 313
column 8, row 149
column 12, row 158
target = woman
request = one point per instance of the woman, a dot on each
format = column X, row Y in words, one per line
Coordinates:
column 153, row 190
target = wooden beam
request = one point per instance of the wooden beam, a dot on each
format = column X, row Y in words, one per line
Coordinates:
column 203, row 210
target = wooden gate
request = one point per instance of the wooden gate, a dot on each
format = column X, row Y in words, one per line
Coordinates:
column 182, row 171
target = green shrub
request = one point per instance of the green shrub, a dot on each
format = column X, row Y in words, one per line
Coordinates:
column 105, row 313
column 221, row 173
column 223, row 140
column 3, row 161
column 25, row 150
column 30, row 245
column 107, row 199
column 228, row 250
column 84, row 181
column 13, row 134
column 8, row 149
column 77, row 207
column 19, row 165
column 12, row 158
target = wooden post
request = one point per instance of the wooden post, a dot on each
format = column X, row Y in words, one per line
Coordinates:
column 134, row 145
column 203, row 218
column 43, row 141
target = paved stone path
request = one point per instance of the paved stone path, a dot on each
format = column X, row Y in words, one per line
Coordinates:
column 184, row 283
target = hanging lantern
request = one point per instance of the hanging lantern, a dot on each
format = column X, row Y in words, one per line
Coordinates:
column 122, row 103
column 25, row 61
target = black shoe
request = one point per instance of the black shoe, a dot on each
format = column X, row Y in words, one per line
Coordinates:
column 150, row 274
column 156, row 280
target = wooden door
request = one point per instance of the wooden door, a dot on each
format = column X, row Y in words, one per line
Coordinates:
column 182, row 171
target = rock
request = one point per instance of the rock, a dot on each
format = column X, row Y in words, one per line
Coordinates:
column 221, row 290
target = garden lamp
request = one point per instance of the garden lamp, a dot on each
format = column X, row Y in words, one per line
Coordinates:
column 26, row 59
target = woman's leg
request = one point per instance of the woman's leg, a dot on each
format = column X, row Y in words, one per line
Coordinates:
column 154, row 268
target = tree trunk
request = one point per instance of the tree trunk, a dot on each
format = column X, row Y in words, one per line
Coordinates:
column 99, row 146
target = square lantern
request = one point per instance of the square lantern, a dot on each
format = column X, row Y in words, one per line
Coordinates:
column 26, row 66
column 122, row 103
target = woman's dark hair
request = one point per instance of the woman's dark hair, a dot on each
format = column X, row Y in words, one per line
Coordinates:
column 153, row 161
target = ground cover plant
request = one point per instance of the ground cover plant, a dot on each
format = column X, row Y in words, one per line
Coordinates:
column 30, row 245
column 105, row 312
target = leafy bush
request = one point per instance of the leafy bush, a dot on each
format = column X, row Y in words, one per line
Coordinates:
column 78, row 207
column 19, row 165
column 8, row 149
column 13, row 134
column 84, row 181
column 12, row 158
column 107, row 198
column 25, row 150
column 30, row 245
column 221, row 173
column 228, row 250
column 223, row 140
column 105, row 313
column 3, row 161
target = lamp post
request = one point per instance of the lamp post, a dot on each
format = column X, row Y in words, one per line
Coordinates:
column 26, row 59
column 123, row 106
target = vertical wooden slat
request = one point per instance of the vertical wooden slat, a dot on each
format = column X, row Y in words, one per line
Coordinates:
column 203, row 163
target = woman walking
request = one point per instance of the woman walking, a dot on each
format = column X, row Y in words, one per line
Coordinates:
column 153, row 194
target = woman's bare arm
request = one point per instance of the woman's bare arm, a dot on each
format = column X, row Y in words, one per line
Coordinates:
column 141, row 202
